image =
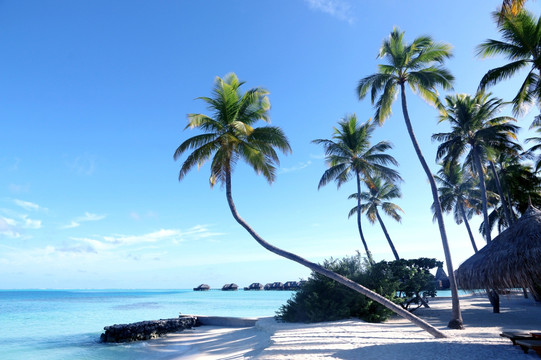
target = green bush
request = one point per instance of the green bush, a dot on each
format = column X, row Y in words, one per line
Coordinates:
column 323, row 299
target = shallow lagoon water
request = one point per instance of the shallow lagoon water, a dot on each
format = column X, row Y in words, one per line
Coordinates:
column 66, row 324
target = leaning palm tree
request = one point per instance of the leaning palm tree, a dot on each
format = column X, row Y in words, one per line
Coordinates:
column 379, row 194
column 420, row 65
column 349, row 154
column 475, row 131
column 229, row 136
column 459, row 194
column 521, row 45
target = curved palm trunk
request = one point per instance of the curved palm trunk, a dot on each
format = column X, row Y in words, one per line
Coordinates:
column 387, row 236
column 325, row 272
column 368, row 254
column 463, row 213
column 506, row 211
column 483, row 193
column 456, row 321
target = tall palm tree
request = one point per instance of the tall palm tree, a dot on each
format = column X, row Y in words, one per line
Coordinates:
column 379, row 194
column 420, row 65
column 229, row 136
column 521, row 45
column 459, row 194
column 531, row 152
column 349, row 154
column 475, row 131
column 512, row 7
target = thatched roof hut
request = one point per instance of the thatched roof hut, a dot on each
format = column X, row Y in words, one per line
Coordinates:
column 511, row 260
column 202, row 287
column 442, row 280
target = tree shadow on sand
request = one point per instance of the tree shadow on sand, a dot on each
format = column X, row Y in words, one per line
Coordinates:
column 435, row 350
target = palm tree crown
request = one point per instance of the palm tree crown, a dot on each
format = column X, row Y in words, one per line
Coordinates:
column 379, row 195
column 418, row 64
column 230, row 135
column 350, row 153
column 475, row 127
column 521, row 45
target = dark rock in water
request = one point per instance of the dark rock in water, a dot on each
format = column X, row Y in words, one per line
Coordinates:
column 145, row 330
column 254, row 286
column 230, row 287
column 202, row 287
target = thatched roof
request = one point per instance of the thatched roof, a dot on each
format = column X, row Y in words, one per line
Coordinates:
column 511, row 260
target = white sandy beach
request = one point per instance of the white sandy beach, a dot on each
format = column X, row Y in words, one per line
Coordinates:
column 355, row 339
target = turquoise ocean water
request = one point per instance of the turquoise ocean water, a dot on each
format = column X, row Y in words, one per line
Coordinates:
column 66, row 324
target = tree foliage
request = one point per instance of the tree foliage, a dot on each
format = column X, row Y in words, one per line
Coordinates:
column 404, row 282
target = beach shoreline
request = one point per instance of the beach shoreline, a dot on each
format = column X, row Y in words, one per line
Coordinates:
column 354, row 339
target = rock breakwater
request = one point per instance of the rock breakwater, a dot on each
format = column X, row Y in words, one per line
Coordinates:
column 145, row 330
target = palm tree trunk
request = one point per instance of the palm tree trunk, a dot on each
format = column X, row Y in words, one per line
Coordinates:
column 463, row 213
column 483, row 193
column 456, row 321
column 500, row 193
column 387, row 236
column 368, row 254
column 325, row 272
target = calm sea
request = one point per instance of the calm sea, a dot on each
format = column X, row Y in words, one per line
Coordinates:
column 66, row 324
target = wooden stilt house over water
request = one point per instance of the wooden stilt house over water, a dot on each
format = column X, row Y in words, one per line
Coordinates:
column 292, row 285
column 254, row 286
column 274, row 286
column 230, row 287
column 202, row 287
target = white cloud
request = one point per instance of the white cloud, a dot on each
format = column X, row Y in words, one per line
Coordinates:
column 7, row 228
column 298, row 167
column 339, row 9
column 11, row 228
column 30, row 223
column 85, row 218
column 27, row 205
column 159, row 235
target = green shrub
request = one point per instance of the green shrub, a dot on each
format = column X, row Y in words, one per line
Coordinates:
column 323, row 299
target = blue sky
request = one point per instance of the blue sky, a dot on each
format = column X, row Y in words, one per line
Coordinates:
column 93, row 103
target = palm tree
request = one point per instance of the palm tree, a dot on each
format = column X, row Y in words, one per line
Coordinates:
column 512, row 7
column 458, row 193
column 349, row 154
column 228, row 136
column 378, row 196
column 420, row 65
column 522, row 46
column 531, row 151
column 475, row 131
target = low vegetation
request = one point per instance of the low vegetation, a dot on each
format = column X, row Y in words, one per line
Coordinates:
column 404, row 282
